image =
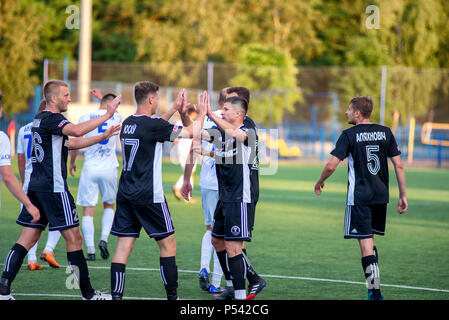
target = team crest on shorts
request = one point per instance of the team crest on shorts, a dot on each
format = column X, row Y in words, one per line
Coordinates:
column 235, row 230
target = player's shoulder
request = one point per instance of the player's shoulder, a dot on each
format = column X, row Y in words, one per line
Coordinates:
column 248, row 122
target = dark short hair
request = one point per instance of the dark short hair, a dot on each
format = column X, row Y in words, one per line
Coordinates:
column 241, row 92
column 106, row 98
column 142, row 89
column 364, row 104
column 238, row 101
column 52, row 88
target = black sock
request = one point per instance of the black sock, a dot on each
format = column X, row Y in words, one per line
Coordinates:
column 251, row 274
column 13, row 262
column 77, row 263
column 117, row 280
column 223, row 259
column 169, row 275
column 237, row 266
column 371, row 270
column 376, row 253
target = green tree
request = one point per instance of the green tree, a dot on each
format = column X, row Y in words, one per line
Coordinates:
column 20, row 24
column 271, row 76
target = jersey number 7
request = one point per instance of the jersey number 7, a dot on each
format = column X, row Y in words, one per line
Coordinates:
column 127, row 144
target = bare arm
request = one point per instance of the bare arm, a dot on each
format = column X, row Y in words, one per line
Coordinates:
column 15, row 188
column 79, row 143
column 79, row 130
column 400, row 176
column 230, row 129
column 328, row 170
column 21, row 164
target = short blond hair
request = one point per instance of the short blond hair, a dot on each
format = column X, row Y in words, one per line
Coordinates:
column 52, row 88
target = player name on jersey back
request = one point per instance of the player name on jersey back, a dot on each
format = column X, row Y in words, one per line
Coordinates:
column 370, row 136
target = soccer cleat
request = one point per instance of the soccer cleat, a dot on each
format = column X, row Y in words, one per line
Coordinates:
column 172, row 294
column 204, row 279
column 255, row 288
column 99, row 296
column 50, row 258
column 34, row 266
column 213, row 289
column 370, row 296
column 90, row 257
column 103, row 246
column 227, row 294
column 176, row 192
column 6, row 297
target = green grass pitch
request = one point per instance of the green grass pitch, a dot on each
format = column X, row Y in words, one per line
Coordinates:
column 297, row 245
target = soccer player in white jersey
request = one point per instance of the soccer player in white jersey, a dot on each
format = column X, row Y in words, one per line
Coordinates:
column 99, row 174
column 24, row 145
column 209, row 198
column 367, row 146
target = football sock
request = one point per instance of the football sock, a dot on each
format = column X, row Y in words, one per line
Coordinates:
column 32, row 253
column 217, row 273
column 169, row 275
column 88, row 233
column 376, row 253
column 13, row 262
column 237, row 266
column 223, row 258
column 371, row 270
column 106, row 223
column 206, row 250
column 52, row 241
column 251, row 274
column 117, row 280
column 78, row 264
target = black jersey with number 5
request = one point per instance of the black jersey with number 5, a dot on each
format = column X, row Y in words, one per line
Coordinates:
column 49, row 153
column 367, row 147
column 142, row 139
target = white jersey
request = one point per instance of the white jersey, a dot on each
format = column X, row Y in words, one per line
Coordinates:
column 183, row 146
column 101, row 155
column 24, row 145
column 5, row 153
column 208, row 175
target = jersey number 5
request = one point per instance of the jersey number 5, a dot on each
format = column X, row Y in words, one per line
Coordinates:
column 126, row 145
column 372, row 159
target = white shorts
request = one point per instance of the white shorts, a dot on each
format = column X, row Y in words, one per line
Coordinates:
column 94, row 180
column 209, row 199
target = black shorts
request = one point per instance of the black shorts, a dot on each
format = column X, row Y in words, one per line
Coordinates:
column 234, row 221
column 57, row 209
column 155, row 218
column 361, row 221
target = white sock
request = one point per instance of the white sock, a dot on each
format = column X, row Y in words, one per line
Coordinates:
column 217, row 273
column 240, row 294
column 106, row 223
column 206, row 250
column 32, row 254
column 52, row 241
column 88, row 233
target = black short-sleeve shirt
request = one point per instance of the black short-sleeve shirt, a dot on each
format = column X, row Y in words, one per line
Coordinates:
column 367, row 147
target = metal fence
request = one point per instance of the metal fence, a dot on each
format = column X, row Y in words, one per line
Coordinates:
column 308, row 112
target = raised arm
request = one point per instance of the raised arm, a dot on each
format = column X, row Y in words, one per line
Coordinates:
column 400, row 176
column 227, row 127
column 79, row 130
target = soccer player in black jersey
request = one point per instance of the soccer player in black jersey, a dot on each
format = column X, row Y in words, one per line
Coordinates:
column 238, row 188
column 48, row 189
column 367, row 147
column 140, row 197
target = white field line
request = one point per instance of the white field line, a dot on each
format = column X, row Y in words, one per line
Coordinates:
column 275, row 276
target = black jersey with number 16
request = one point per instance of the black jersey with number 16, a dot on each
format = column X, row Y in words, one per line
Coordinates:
column 368, row 147
column 142, row 139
